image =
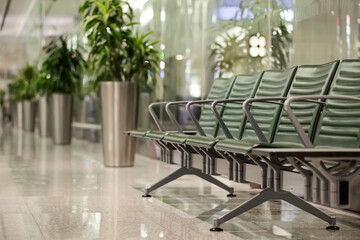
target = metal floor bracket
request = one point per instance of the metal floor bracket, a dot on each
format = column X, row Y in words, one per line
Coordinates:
column 189, row 171
column 271, row 194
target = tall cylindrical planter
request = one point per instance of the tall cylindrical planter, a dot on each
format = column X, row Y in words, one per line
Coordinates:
column 61, row 116
column 95, row 113
column 19, row 115
column 29, row 113
column 44, row 117
column 80, row 107
column 13, row 112
column 118, row 114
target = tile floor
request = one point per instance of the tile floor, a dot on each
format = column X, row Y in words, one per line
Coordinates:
column 64, row 192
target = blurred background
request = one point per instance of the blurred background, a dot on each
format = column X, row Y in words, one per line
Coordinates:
column 199, row 40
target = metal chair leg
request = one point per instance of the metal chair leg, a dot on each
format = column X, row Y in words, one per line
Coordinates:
column 270, row 194
column 189, row 171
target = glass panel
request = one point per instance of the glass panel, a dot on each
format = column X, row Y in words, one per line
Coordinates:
column 201, row 40
column 325, row 31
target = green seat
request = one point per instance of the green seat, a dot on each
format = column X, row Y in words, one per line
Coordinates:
column 138, row 133
column 337, row 128
column 244, row 86
column 314, row 79
column 233, row 119
column 339, row 125
column 154, row 135
column 277, row 127
column 235, row 145
column 201, row 141
column 178, row 138
column 207, row 120
column 219, row 90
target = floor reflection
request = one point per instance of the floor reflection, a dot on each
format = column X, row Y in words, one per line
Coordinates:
column 65, row 192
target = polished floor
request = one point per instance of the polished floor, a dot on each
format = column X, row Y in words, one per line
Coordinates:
column 64, row 192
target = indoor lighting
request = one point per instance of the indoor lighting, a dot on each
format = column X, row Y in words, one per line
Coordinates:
column 254, row 41
column 262, row 52
column 179, row 57
column 262, row 41
column 254, row 51
column 257, row 46
column 287, row 15
column 162, row 15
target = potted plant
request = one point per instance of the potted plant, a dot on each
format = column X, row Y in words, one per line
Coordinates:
column 23, row 92
column 27, row 79
column 43, row 90
column 121, row 60
column 13, row 105
column 64, row 65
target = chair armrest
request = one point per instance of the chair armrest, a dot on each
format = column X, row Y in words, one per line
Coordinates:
column 246, row 108
column 156, row 118
column 192, row 116
column 218, row 117
column 271, row 100
column 301, row 132
column 172, row 116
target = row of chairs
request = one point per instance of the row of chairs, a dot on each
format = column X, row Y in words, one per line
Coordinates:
column 304, row 120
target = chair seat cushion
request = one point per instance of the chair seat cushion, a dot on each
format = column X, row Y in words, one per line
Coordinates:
column 245, row 146
column 279, row 145
column 155, row 135
column 236, row 146
column 137, row 132
column 177, row 138
column 201, row 141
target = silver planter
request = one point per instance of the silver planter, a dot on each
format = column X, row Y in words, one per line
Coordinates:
column 13, row 109
column 44, row 117
column 29, row 113
column 19, row 116
column 80, row 112
column 94, row 135
column 118, row 114
column 61, row 115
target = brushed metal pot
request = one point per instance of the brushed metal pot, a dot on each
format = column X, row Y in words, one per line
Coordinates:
column 95, row 135
column 19, row 116
column 61, row 116
column 13, row 109
column 80, row 115
column 44, row 117
column 118, row 114
column 29, row 113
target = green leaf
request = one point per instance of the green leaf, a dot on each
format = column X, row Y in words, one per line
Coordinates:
column 117, row 51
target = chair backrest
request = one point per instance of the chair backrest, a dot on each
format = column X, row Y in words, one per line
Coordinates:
column 220, row 90
column 274, row 83
column 309, row 80
column 233, row 115
column 339, row 124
